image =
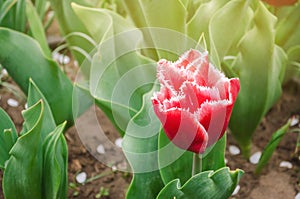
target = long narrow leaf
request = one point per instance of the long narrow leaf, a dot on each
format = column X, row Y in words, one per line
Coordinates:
column 5, row 8
column 271, row 146
column 37, row 28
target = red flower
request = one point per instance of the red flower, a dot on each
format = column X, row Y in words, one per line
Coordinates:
column 195, row 101
column 278, row 3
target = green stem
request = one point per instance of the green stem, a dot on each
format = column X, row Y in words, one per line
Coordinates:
column 197, row 164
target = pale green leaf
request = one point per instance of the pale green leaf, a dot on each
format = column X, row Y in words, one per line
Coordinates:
column 259, row 63
column 233, row 15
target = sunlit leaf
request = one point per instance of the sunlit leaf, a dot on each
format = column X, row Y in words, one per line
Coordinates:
column 257, row 65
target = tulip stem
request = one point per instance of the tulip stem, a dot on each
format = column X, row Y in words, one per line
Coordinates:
column 197, row 164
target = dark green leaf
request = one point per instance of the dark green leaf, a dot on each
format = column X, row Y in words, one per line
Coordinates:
column 8, row 136
column 55, row 174
column 214, row 157
column 23, row 172
column 206, row 185
column 23, row 64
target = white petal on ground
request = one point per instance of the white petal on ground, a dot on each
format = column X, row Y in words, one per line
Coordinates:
column 295, row 121
column 226, row 160
column 12, row 102
column 234, row 150
column 114, row 168
column 26, row 106
column 50, row 14
column 100, row 149
column 4, row 72
column 81, row 177
column 297, row 196
column 64, row 59
column 236, row 190
column 255, row 157
column 118, row 142
column 286, row 164
column 55, row 55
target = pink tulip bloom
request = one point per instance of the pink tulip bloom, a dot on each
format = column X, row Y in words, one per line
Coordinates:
column 195, row 101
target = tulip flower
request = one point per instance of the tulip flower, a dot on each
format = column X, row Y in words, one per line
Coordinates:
column 195, row 101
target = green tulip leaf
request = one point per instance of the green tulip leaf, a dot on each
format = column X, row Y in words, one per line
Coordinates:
column 37, row 28
column 205, row 185
column 103, row 23
column 293, row 67
column 69, row 25
column 5, row 8
column 263, row 62
column 34, row 95
column 214, row 156
column 271, row 146
column 140, row 145
column 149, row 14
column 55, row 169
column 23, row 171
column 8, row 137
column 235, row 13
column 176, row 163
column 199, row 23
column 173, row 161
column 287, row 31
column 23, row 64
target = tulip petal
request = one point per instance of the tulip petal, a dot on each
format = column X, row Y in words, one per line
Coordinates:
column 183, row 129
column 169, row 75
